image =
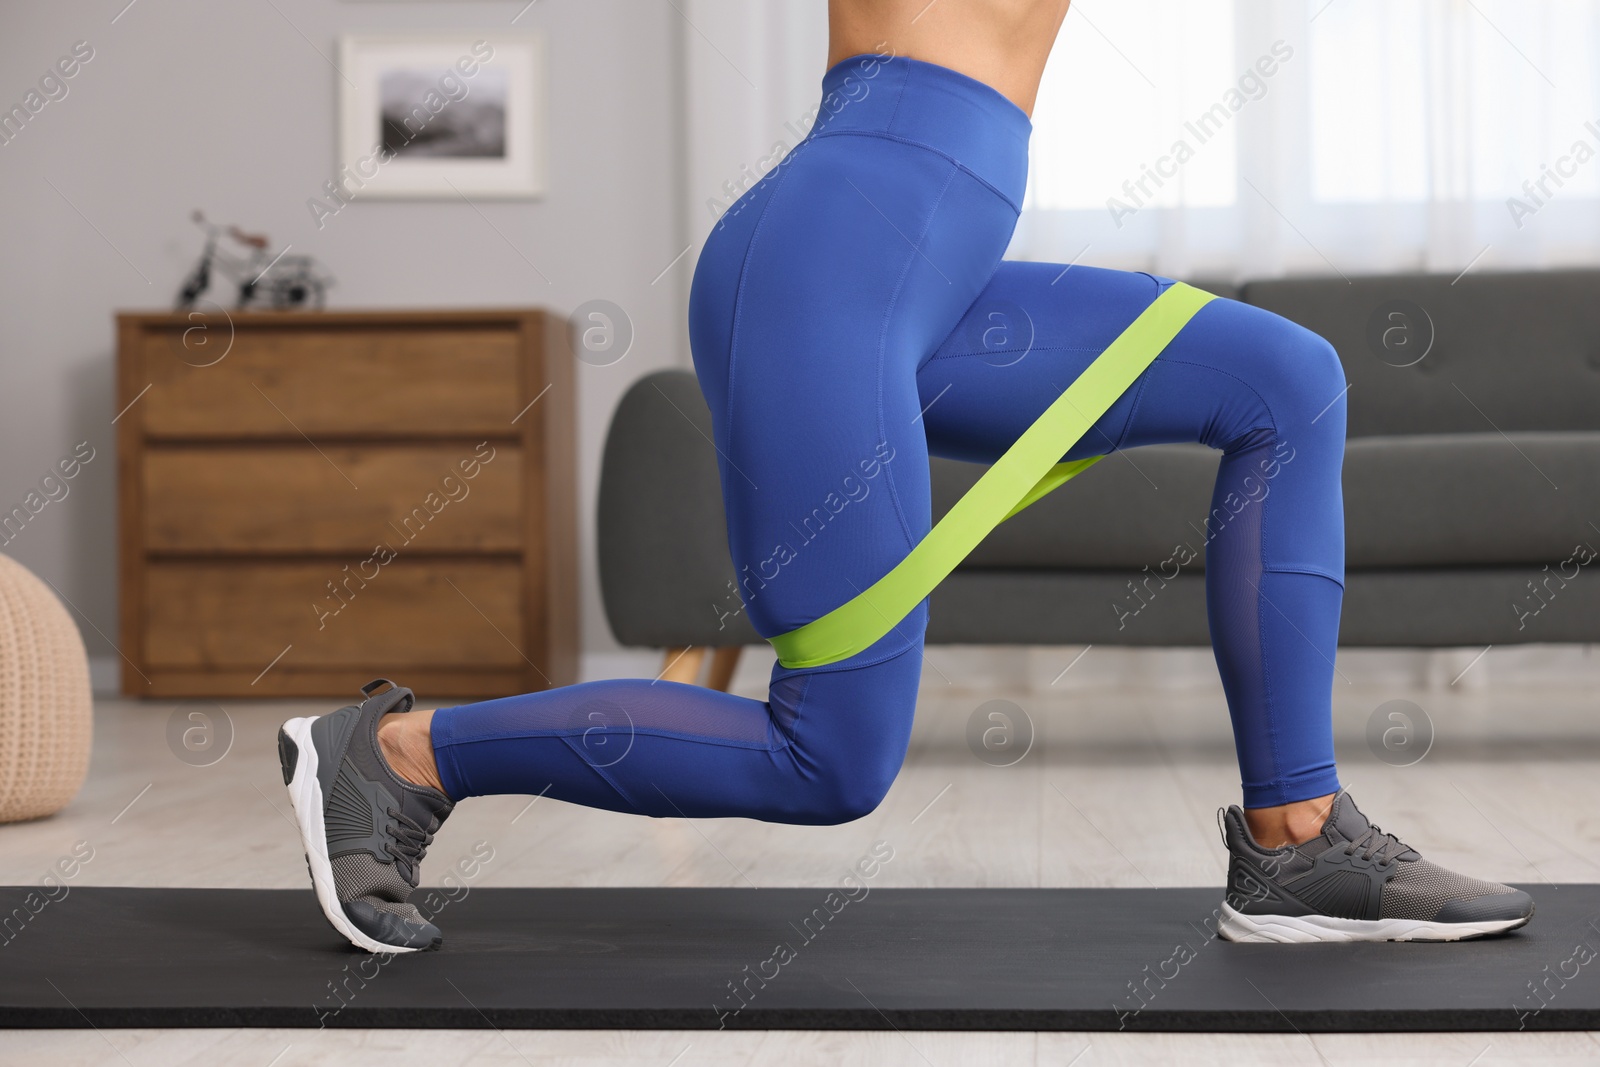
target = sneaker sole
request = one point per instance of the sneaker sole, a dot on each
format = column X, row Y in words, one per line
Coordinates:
column 1302, row 929
column 298, row 757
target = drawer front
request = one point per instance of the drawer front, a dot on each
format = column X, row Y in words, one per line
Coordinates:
column 427, row 614
column 434, row 686
column 349, row 499
column 320, row 380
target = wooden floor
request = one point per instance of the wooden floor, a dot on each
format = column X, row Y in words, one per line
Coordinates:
column 1120, row 788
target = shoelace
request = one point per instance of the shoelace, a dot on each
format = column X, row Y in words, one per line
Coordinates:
column 1375, row 842
column 408, row 842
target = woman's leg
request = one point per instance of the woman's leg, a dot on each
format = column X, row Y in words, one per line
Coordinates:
column 809, row 371
column 1270, row 396
column 813, row 304
column 1267, row 393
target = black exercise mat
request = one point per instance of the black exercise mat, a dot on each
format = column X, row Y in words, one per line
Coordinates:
column 946, row 959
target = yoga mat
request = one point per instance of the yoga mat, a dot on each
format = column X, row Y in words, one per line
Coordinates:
column 936, row 959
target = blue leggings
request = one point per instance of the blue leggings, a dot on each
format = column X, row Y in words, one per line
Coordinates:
column 851, row 314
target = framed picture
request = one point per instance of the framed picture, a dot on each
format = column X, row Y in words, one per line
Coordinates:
column 442, row 114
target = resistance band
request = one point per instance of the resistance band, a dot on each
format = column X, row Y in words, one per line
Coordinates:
column 1026, row 472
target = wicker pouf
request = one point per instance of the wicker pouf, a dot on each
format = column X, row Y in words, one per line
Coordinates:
column 46, row 713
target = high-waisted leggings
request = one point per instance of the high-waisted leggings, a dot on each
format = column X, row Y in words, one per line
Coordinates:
column 850, row 315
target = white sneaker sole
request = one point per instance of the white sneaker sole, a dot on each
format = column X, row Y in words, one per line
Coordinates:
column 1301, row 929
column 305, row 796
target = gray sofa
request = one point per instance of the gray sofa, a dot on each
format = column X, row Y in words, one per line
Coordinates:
column 1471, row 487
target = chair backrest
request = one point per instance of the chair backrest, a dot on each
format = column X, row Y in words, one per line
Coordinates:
column 665, row 570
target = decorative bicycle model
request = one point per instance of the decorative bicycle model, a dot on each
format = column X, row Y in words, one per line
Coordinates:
column 281, row 282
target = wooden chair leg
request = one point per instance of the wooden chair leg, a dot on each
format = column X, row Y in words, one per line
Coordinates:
column 724, row 661
column 682, row 665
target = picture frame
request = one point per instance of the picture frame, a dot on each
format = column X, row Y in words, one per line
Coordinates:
column 442, row 114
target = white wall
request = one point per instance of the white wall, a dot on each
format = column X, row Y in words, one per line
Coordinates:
column 230, row 108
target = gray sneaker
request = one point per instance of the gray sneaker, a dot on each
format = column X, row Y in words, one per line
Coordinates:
column 1353, row 882
column 365, row 830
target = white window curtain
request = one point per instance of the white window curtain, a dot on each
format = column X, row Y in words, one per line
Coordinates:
column 1249, row 138
column 1238, row 138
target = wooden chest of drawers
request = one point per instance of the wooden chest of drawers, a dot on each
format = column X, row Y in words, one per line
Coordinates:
column 309, row 501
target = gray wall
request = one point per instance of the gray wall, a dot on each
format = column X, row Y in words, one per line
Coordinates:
column 229, row 108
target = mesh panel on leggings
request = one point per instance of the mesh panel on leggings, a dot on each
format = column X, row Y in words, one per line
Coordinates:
column 605, row 713
column 1419, row 889
column 357, row 874
column 784, row 697
column 1233, row 577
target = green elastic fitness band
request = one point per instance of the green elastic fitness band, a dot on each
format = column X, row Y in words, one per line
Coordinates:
column 1028, row 471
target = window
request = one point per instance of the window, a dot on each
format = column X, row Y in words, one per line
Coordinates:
column 1265, row 136
column 1125, row 83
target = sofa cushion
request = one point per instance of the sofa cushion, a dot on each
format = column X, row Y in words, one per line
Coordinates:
column 1472, row 498
column 1410, row 500
column 1130, row 509
column 1435, row 607
column 1509, row 352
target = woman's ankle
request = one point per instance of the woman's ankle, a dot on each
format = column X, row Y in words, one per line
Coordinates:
column 406, row 743
column 1288, row 824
